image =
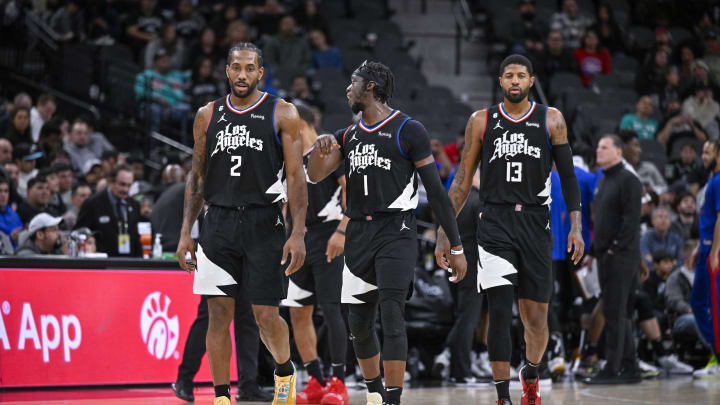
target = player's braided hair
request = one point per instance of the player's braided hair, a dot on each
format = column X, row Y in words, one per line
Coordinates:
column 246, row 46
column 381, row 75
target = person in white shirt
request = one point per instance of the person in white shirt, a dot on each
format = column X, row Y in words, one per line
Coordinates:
column 41, row 113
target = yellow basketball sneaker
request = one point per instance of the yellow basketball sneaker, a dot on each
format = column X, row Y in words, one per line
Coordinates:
column 285, row 389
column 222, row 401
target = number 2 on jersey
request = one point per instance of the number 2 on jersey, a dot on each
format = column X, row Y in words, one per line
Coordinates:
column 234, row 170
column 514, row 172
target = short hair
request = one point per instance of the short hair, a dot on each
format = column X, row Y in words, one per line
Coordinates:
column 246, row 46
column 689, row 246
column 379, row 74
column 78, row 185
column 660, row 255
column 18, row 97
column 306, row 114
column 4, row 180
column 16, row 110
column 627, row 135
column 111, row 153
column 80, row 120
column 48, row 129
column 46, row 98
column 617, row 142
column 660, row 208
column 35, row 180
column 117, row 169
column 516, row 59
column 47, row 171
column 61, row 167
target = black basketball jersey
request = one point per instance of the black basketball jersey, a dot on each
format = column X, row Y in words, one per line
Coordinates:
column 516, row 157
column 245, row 165
column 324, row 198
column 381, row 177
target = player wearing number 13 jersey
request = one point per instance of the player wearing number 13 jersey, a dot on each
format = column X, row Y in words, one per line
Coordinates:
column 516, row 143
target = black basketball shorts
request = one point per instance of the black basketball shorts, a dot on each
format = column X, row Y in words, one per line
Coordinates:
column 515, row 248
column 380, row 253
column 242, row 247
column 317, row 281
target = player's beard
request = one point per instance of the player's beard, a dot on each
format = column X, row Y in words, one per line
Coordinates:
column 711, row 167
column 250, row 89
column 516, row 98
column 357, row 106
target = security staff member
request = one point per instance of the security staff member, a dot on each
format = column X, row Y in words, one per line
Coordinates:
column 617, row 248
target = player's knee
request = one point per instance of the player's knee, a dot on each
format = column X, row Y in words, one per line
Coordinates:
column 301, row 317
column 265, row 316
column 361, row 319
column 392, row 315
column 220, row 315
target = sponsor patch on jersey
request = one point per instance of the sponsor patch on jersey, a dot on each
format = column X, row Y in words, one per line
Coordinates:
column 385, row 134
column 532, row 124
column 257, row 116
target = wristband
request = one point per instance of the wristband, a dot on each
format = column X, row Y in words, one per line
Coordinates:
column 457, row 252
column 340, row 232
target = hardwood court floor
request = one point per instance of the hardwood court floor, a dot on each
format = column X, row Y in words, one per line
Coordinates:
column 676, row 391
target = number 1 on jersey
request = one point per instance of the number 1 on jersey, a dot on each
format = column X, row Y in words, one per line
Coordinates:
column 365, row 183
column 234, row 170
column 514, row 172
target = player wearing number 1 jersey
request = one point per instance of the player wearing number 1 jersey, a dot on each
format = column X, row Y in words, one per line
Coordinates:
column 245, row 143
column 383, row 154
column 516, row 142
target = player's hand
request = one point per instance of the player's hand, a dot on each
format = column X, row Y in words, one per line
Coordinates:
column 295, row 247
column 326, row 144
column 442, row 249
column 185, row 245
column 576, row 242
column 335, row 246
column 458, row 266
column 713, row 262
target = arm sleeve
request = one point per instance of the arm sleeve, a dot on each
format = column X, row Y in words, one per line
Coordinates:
column 440, row 202
column 562, row 155
column 630, row 217
column 414, row 141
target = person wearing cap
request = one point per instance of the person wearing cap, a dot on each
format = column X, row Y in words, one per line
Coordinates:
column 77, row 147
column 701, row 73
column 38, row 198
column 702, row 108
column 25, row 156
column 94, row 172
column 44, row 239
column 114, row 216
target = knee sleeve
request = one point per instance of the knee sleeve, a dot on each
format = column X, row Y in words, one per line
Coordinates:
column 361, row 318
column 500, row 301
column 392, row 314
column 336, row 331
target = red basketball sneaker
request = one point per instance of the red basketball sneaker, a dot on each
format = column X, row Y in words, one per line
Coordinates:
column 531, row 392
column 312, row 394
column 337, row 393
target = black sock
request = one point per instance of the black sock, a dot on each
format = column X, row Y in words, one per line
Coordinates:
column 482, row 347
column 285, row 369
column 658, row 347
column 338, row 371
column 503, row 389
column 592, row 349
column 222, row 391
column 313, row 368
column 376, row 385
column 393, row 395
column 530, row 371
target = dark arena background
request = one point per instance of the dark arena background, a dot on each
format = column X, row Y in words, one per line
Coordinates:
column 90, row 87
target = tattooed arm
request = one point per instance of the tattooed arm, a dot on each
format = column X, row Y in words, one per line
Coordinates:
column 194, row 188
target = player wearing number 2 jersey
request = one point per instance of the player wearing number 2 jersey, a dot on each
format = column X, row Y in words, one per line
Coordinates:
column 516, row 142
column 244, row 144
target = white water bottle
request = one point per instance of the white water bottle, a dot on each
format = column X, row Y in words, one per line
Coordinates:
column 157, row 250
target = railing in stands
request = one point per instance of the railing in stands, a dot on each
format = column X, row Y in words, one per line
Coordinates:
column 42, row 31
column 172, row 143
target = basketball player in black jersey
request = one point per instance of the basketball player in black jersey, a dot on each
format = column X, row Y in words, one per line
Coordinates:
column 516, row 142
column 383, row 153
column 319, row 281
column 244, row 143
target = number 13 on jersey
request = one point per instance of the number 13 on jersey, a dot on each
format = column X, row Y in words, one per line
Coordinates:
column 514, row 172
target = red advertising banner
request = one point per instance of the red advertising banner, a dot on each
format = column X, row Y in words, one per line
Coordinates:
column 87, row 327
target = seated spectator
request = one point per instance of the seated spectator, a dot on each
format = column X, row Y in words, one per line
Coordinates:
column 168, row 41
column 109, row 159
column 701, row 76
column 570, row 23
column 160, row 92
column 324, row 55
column 267, row 18
column 44, row 237
column 69, row 22
column 555, row 57
column 702, row 108
column 206, row 47
column 22, row 99
column 678, row 288
column 712, row 52
column 610, row 34
column 287, row 50
column 527, row 35
column 41, row 113
column 660, row 238
column 6, row 151
column 144, row 24
column 591, row 59
column 237, row 33
column 50, row 143
column 310, row 17
column 682, row 167
column 188, row 21
column 56, row 207
column 10, row 222
column 12, row 172
column 93, row 172
column 98, row 143
column 65, row 181
column 38, row 197
column 19, row 130
column 300, row 91
column 26, row 156
column 80, row 193
column 114, row 216
column 103, row 23
column 687, row 59
column 647, row 172
column 686, row 224
column 671, row 91
column 78, row 144
column 654, row 286
column 650, row 79
column 205, row 87
column 442, row 162
column 640, row 122
column 146, row 207
column 679, row 127
column 226, row 15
